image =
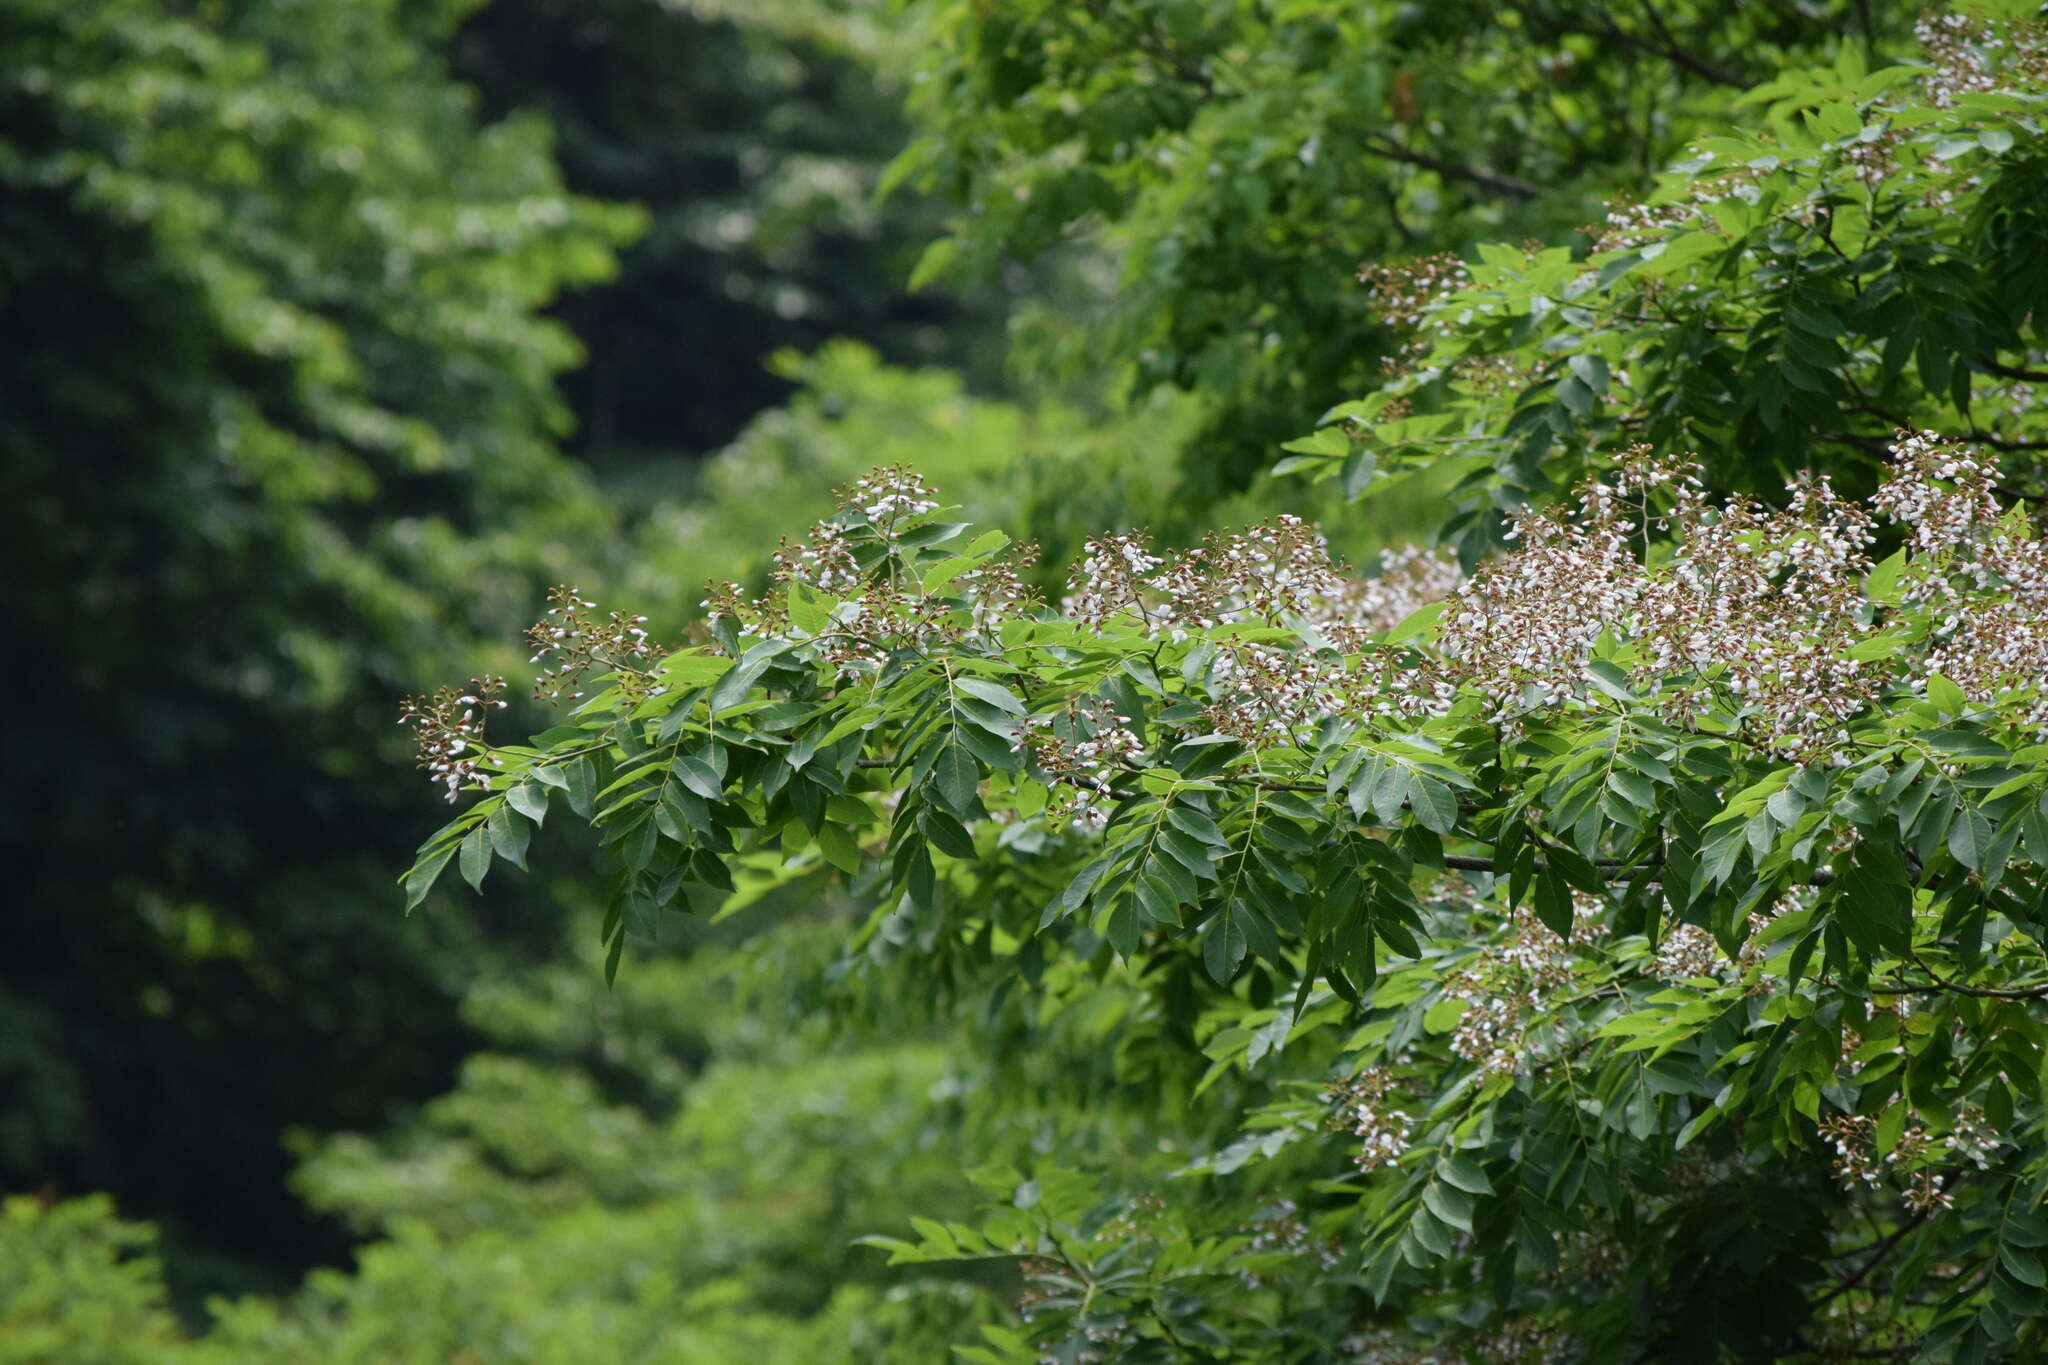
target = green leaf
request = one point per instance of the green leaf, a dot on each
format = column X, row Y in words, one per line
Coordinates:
column 1946, row 695
column 508, row 837
column 1969, row 838
column 945, row 571
column 1610, row 680
column 699, row 776
column 1192, row 822
column 1633, row 788
column 476, row 857
column 995, row 694
column 809, row 610
column 739, row 680
column 1962, row 743
column 1415, row 623
column 1875, row 903
column 1554, row 902
column 957, row 779
column 1076, row 893
column 1465, row 1173
column 530, row 799
column 582, row 774
column 1224, row 945
column 839, row 848
column 1357, row 473
column 420, row 880
column 1882, row 582
column 2023, row 1265
column 1323, row 441
column 1574, row 396
column 1434, row 805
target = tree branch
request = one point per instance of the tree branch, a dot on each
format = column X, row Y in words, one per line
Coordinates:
column 1990, row 366
column 1511, row 185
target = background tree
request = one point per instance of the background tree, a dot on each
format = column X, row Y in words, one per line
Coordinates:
column 279, row 426
column 1242, row 160
column 753, row 136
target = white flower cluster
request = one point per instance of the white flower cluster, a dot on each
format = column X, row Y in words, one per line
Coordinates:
column 1966, row 55
column 1506, row 993
column 1361, row 1102
column 449, row 730
column 575, row 641
column 1406, row 293
column 1914, row 1156
column 1080, row 749
column 1755, row 608
column 1280, row 1230
column 1688, row 952
column 891, row 494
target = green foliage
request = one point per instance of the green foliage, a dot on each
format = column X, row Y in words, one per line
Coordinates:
column 1058, row 472
column 278, row 425
column 1636, row 952
column 74, row 1287
column 1242, row 159
column 660, row 1172
column 1868, row 253
column 752, row 136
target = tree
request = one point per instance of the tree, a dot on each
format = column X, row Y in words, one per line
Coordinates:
column 1631, row 948
column 753, row 136
column 279, row 427
column 1240, row 159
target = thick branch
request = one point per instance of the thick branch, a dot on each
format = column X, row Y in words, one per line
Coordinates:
column 1511, row 185
column 1990, row 366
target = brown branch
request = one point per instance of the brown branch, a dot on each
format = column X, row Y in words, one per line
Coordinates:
column 1990, row 366
column 1674, row 53
column 1943, row 985
column 1511, row 185
column 1674, row 50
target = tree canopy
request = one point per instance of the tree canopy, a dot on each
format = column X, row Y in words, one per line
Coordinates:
column 1093, row 922
column 1241, row 159
column 279, row 427
column 1628, row 944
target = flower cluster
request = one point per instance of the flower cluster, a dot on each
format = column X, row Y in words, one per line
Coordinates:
column 1915, row 1154
column 1280, row 1230
column 889, row 495
column 1689, row 952
column 1268, row 574
column 449, row 730
column 1630, row 224
column 573, row 640
column 1506, row 993
column 876, row 606
column 1360, row 1103
column 1967, row 55
column 1409, row 579
column 1994, row 646
column 1756, row 609
column 1079, row 750
column 1405, row 294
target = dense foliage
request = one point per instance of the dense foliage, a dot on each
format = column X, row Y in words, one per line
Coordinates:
column 753, row 136
column 1241, row 158
column 1631, row 948
column 1615, row 935
column 279, row 422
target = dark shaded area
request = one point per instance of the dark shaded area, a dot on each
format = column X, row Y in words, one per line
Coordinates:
column 755, row 155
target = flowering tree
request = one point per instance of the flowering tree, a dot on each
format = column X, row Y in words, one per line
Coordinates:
column 1629, row 946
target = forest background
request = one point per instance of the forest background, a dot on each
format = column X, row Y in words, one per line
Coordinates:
column 338, row 333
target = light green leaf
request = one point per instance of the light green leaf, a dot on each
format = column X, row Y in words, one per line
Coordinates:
column 476, row 857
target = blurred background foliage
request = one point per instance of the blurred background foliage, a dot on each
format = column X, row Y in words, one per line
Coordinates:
column 337, row 331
